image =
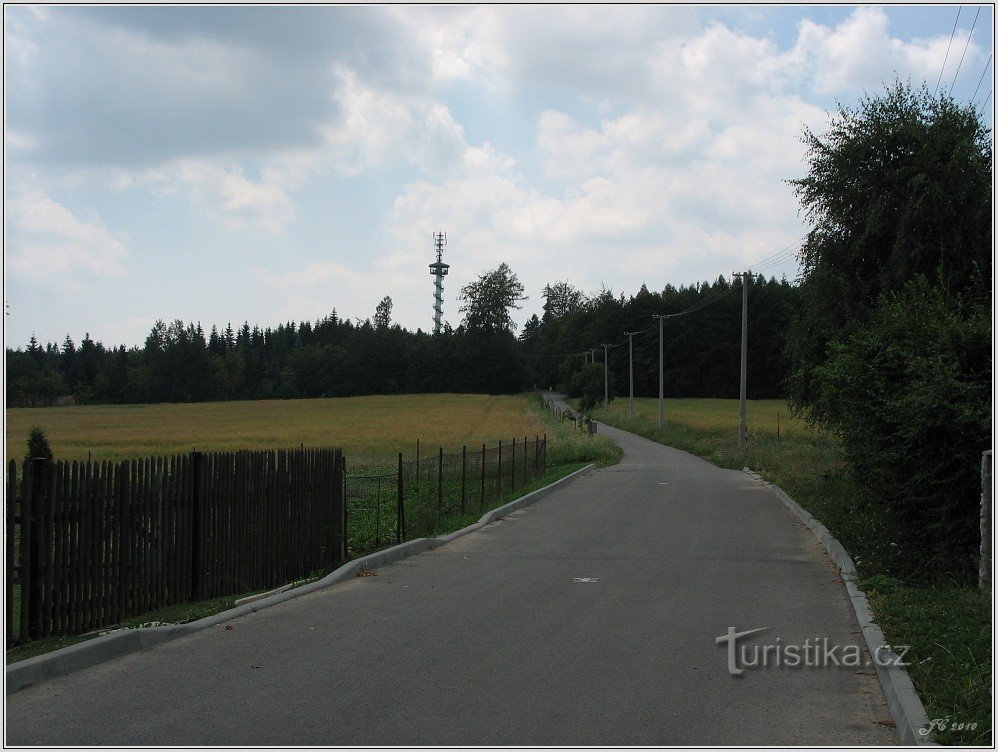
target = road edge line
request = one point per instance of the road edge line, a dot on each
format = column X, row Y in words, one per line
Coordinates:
column 122, row 642
column 907, row 710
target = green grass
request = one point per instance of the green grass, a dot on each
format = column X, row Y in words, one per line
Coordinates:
column 947, row 623
column 948, row 628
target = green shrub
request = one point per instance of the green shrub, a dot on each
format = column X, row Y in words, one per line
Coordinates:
column 588, row 385
column 910, row 397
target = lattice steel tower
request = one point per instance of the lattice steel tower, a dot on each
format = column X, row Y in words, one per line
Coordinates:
column 439, row 270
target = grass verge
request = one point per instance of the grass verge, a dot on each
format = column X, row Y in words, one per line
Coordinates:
column 945, row 621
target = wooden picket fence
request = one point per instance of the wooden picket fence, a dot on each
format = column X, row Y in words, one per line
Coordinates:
column 90, row 544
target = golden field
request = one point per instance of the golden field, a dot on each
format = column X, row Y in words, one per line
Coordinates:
column 371, row 425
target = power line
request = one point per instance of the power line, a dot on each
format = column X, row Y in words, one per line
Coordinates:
column 983, row 73
column 782, row 251
column 952, row 33
column 773, row 260
column 965, row 48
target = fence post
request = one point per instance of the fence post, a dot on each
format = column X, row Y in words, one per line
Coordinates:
column 512, row 468
column 526, row 470
column 400, row 522
column 499, row 473
column 122, row 512
column 987, row 474
column 10, row 541
column 25, row 575
column 440, row 481
column 464, row 472
column 40, row 471
column 417, row 467
column 481, row 500
column 196, row 472
column 344, row 547
column 544, row 455
column 377, row 517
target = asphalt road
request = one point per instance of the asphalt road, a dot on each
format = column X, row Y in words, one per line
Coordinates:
column 494, row 640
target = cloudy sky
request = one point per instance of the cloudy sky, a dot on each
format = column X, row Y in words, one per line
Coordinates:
column 268, row 164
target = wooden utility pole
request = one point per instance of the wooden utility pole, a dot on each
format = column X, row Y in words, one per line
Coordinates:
column 606, row 377
column 661, row 372
column 630, row 360
column 746, row 277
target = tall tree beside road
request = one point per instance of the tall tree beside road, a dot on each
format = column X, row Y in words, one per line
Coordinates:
column 897, row 188
column 889, row 342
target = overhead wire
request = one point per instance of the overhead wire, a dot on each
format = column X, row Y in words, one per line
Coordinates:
column 767, row 262
column 965, row 48
column 952, row 34
column 983, row 73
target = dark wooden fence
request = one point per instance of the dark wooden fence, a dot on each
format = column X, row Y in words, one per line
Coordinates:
column 90, row 544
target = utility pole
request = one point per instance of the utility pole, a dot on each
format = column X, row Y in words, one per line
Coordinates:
column 606, row 377
column 630, row 359
column 661, row 373
column 746, row 276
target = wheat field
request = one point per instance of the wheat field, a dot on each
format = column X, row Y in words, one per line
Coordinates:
column 363, row 426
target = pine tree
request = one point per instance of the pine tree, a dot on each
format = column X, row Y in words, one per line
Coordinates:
column 38, row 445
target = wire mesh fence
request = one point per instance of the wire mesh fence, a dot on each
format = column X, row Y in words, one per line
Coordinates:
column 426, row 493
column 566, row 414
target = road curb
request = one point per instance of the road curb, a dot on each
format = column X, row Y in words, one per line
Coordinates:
column 122, row 642
column 906, row 707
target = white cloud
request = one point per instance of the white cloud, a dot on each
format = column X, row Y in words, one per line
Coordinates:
column 860, row 54
column 229, row 195
column 378, row 128
column 460, row 44
column 44, row 239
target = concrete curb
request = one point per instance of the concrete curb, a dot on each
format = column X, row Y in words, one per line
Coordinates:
column 906, row 708
column 261, row 596
column 121, row 642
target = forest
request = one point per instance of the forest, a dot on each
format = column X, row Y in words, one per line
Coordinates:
column 335, row 357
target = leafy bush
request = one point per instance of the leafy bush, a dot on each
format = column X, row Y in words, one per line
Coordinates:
column 588, row 385
column 910, row 397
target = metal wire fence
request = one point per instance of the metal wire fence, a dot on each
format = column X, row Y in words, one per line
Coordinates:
column 566, row 414
column 423, row 495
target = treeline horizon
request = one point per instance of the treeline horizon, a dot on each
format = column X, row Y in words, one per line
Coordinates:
column 336, row 357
